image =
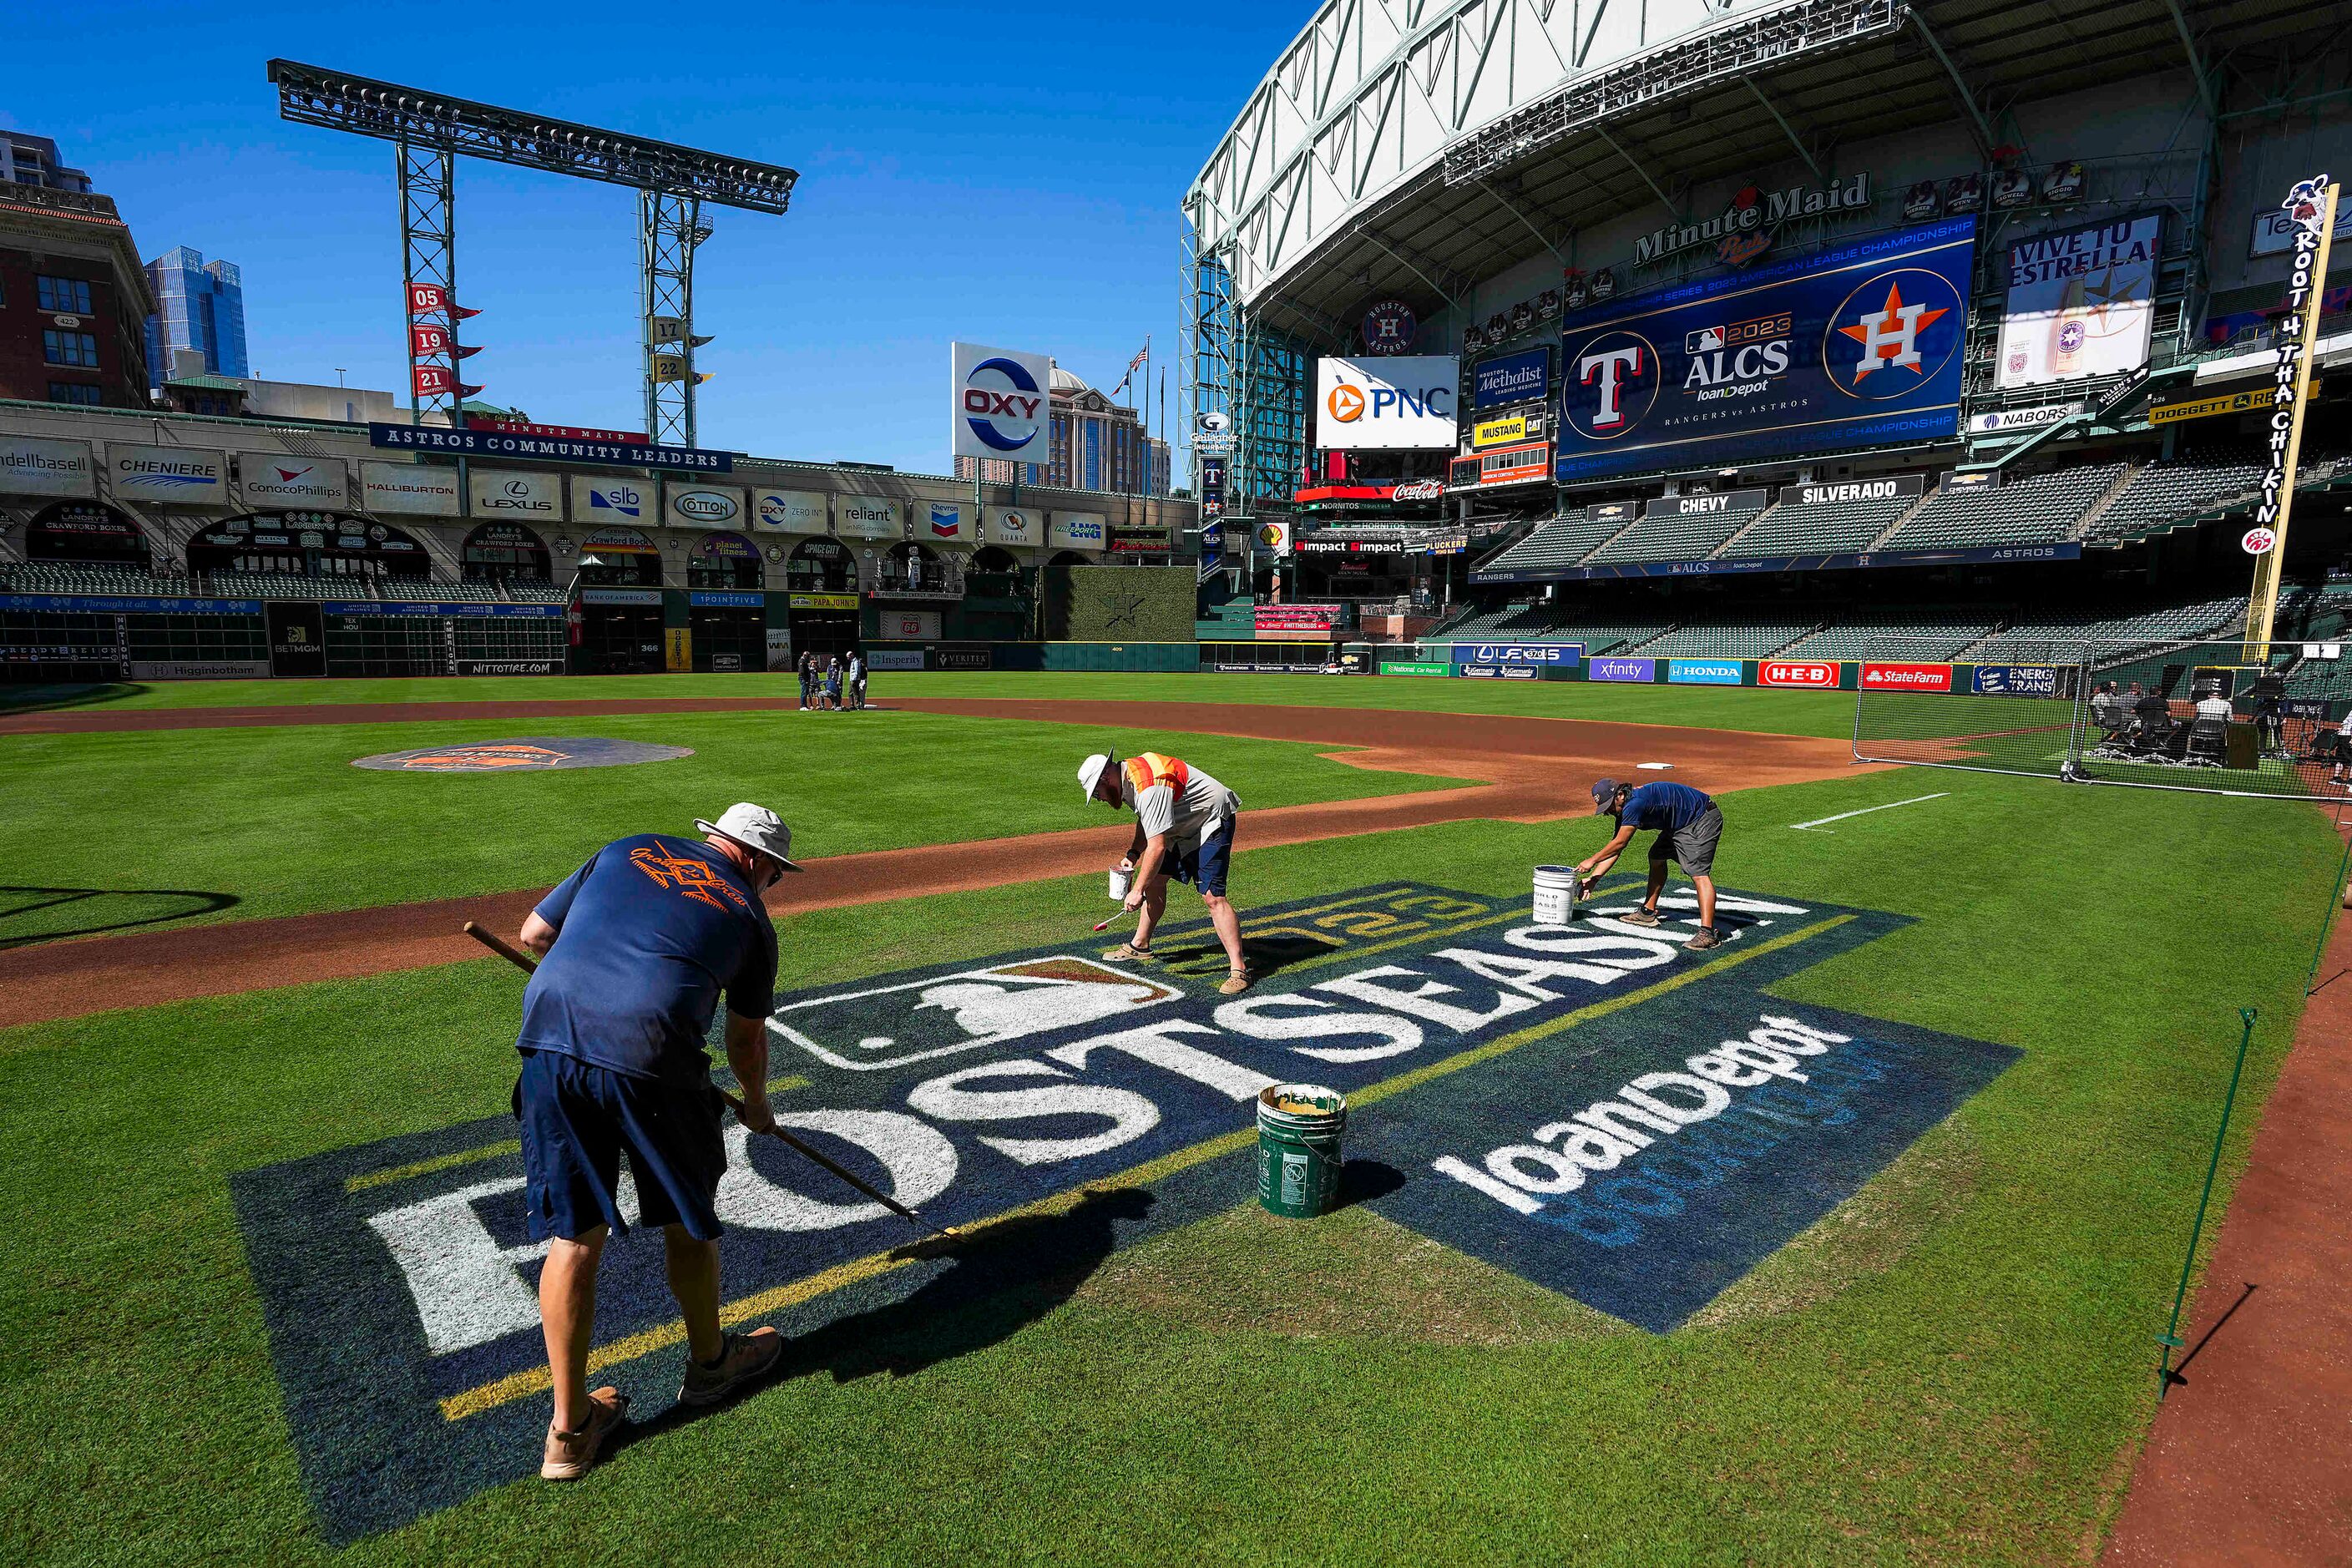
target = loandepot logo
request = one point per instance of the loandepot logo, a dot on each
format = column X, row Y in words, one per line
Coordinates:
column 1006, row 417
column 1593, row 1107
column 622, row 498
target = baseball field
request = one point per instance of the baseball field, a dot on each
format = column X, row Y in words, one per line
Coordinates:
column 1889, row 1293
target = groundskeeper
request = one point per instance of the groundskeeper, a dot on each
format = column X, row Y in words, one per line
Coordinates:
column 1183, row 828
column 1689, row 825
column 638, row 945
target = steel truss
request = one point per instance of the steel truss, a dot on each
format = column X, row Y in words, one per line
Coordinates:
column 431, row 130
column 428, row 253
column 1233, row 364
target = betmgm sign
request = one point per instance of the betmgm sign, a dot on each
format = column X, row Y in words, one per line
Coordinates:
column 1593, row 1107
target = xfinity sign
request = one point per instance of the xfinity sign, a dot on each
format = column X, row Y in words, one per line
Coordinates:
column 1001, row 398
column 1404, row 403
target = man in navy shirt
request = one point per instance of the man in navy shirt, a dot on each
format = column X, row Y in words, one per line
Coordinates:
column 638, row 946
column 1689, row 824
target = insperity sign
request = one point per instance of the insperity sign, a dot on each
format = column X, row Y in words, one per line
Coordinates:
column 1593, row 1107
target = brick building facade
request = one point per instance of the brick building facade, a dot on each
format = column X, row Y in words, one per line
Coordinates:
column 74, row 301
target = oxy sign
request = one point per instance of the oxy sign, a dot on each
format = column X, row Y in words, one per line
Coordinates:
column 1400, row 404
column 1003, row 399
column 1639, row 1157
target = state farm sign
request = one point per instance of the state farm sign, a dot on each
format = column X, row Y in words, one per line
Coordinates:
column 1796, row 672
column 1878, row 675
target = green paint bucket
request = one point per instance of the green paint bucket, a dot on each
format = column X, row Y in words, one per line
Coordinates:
column 1298, row 1129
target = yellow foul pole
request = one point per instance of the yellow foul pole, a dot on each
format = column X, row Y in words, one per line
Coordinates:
column 2312, row 204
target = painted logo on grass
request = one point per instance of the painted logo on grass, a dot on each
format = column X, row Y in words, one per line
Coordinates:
column 1593, row 1107
column 533, row 755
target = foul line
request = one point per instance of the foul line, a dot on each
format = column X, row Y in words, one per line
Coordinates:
column 523, row 1384
column 1866, row 810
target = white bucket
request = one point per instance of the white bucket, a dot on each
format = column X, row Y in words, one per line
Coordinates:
column 1119, row 884
column 1555, row 890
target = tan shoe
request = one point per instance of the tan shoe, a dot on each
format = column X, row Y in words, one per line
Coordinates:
column 569, row 1456
column 1128, row 953
column 1236, row 982
column 743, row 1359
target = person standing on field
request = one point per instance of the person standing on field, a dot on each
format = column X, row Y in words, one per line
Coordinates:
column 1689, row 825
column 856, row 677
column 833, row 682
column 1183, row 828
column 807, row 666
column 637, row 947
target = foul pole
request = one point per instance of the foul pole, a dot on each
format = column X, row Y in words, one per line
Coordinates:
column 2312, row 204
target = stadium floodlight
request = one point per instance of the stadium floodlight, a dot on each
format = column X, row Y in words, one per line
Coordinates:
column 1726, row 54
column 430, row 131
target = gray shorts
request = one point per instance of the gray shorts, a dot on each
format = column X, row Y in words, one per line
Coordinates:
column 1692, row 848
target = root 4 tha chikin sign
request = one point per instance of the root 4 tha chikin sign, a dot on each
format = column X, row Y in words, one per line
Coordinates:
column 1593, row 1107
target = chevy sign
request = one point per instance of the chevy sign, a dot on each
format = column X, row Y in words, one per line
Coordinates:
column 1405, row 403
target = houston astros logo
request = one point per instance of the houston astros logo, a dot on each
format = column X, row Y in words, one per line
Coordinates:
column 1346, row 403
column 1003, row 419
column 1889, row 338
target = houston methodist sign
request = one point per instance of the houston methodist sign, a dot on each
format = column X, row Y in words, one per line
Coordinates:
column 1399, row 404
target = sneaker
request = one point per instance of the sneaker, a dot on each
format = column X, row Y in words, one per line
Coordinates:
column 1640, row 917
column 742, row 1359
column 1236, row 982
column 569, row 1456
column 1708, row 937
column 1128, row 953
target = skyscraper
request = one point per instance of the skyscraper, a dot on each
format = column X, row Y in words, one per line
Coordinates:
column 199, row 305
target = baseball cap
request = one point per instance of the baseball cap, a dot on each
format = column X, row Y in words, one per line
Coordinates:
column 1603, row 791
column 1090, row 773
column 756, row 828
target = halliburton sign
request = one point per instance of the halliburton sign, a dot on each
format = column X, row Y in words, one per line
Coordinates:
column 1798, row 672
column 1879, row 675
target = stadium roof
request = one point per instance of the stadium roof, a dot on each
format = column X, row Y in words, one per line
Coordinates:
column 1339, row 184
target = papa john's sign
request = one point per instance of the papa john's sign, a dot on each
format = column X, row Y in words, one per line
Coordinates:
column 1822, row 673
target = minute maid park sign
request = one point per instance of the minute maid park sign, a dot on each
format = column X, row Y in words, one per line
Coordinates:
column 1591, row 1107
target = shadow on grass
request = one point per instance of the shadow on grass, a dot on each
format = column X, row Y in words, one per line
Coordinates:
column 1001, row 1278
column 115, row 908
column 1361, row 1181
column 42, row 699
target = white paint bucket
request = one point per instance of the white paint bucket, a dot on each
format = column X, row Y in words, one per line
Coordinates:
column 1118, row 884
column 1555, row 895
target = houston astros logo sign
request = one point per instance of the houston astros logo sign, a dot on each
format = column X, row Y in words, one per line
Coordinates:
column 1892, row 333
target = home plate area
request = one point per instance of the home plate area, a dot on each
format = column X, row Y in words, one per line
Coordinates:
column 1590, row 1106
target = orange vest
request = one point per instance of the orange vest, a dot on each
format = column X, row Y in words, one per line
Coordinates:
column 1151, row 768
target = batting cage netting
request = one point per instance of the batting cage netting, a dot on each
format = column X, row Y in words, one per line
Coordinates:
column 2191, row 716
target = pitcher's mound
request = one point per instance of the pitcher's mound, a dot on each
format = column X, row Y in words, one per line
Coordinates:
column 532, row 754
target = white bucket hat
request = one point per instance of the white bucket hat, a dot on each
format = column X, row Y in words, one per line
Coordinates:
column 756, row 828
column 1090, row 773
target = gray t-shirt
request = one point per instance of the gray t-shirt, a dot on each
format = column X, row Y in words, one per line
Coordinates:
column 1205, row 804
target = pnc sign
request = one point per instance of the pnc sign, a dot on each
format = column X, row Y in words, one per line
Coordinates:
column 1399, row 403
column 1593, row 1107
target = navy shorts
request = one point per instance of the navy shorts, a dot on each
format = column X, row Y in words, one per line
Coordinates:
column 1204, row 867
column 576, row 1120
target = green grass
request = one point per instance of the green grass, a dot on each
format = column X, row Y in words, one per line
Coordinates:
column 1827, row 713
column 279, row 820
column 1955, row 1366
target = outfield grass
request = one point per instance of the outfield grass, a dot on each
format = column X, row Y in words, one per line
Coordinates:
column 1955, row 1366
column 278, row 820
column 1826, row 713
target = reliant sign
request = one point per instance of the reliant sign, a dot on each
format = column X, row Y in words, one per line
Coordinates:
column 1400, row 404
column 408, row 490
column 1594, row 1107
column 169, row 476
column 867, row 517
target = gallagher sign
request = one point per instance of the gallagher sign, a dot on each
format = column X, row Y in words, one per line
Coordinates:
column 1002, row 403
column 1592, row 1106
column 1404, row 403
column 1854, row 345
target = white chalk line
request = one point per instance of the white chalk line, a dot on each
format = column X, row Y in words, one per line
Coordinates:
column 1866, row 810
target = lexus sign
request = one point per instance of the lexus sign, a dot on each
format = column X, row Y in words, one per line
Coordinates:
column 1405, row 403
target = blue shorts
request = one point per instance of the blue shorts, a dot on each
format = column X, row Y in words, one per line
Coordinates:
column 1204, row 868
column 576, row 1119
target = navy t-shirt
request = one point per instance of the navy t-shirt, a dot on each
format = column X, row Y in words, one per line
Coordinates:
column 649, row 933
column 1664, row 806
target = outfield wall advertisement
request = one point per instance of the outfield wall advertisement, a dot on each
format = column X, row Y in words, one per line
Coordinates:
column 1857, row 344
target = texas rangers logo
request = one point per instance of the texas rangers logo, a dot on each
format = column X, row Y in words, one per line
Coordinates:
column 1613, row 384
column 1004, row 417
column 1892, row 335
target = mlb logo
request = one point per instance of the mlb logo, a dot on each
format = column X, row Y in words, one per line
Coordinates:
column 946, row 1015
column 1706, row 340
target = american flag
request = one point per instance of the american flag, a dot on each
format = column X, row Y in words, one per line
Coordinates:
column 1133, row 365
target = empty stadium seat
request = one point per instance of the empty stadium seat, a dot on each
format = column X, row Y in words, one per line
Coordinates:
column 2039, row 509
column 1664, row 536
column 1891, row 634
column 1565, row 540
column 1725, row 639
column 1793, row 530
column 2166, row 495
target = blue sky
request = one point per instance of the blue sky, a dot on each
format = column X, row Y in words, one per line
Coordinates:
column 1005, row 174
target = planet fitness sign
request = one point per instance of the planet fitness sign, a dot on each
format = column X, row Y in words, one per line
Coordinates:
column 1594, row 1107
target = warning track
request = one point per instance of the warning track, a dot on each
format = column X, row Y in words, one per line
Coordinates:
column 1527, row 769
